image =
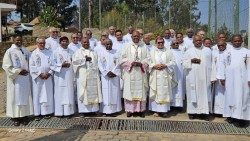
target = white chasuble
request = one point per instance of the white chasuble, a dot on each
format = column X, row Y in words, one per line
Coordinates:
column 135, row 78
column 161, row 82
column 88, row 80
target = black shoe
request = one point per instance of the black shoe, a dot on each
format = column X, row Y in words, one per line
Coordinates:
column 16, row 121
column 241, row 123
column 164, row 115
column 129, row 114
column 230, row 120
column 206, row 118
column 25, row 122
column 38, row 118
column 142, row 114
column 110, row 115
column 191, row 116
column 47, row 116
column 81, row 115
column 68, row 117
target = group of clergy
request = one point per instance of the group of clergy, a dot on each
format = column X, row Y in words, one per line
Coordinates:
column 90, row 76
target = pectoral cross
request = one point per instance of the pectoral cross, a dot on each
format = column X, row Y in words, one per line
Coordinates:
column 246, row 60
column 136, row 54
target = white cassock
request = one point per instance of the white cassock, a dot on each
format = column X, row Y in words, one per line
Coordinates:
column 161, row 82
column 234, row 67
column 88, row 81
column 183, row 47
column 179, row 91
column 167, row 43
column 92, row 43
column 218, row 91
column 19, row 99
column 99, row 49
column 119, row 45
column 111, row 93
column 150, row 47
column 198, row 80
column 112, row 38
column 135, row 78
column 52, row 43
column 43, row 96
column 188, row 41
column 74, row 47
column 127, row 38
column 63, row 83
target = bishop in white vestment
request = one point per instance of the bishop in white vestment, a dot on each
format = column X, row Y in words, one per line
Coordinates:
column 41, row 72
column 85, row 65
column 63, row 79
column 234, row 73
column 162, row 78
column 110, row 77
column 197, row 62
column 19, row 100
column 134, row 62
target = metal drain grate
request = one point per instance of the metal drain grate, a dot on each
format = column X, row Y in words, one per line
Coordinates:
column 132, row 125
column 173, row 126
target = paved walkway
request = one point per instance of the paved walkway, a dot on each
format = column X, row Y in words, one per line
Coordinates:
column 78, row 135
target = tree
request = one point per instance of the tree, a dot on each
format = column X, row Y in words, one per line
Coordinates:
column 28, row 9
column 64, row 9
column 49, row 17
column 183, row 14
column 226, row 31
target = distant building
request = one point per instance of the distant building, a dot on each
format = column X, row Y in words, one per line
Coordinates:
column 6, row 6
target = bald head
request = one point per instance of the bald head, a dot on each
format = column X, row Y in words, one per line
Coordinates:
column 112, row 30
column 197, row 40
column 136, row 36
column 146, row 38
column 108, row 44
column 201, row 33
column 85, row 43
column 190, row 32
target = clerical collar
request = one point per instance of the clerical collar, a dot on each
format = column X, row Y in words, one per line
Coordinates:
column 200, row 48
column 54, row 38
column 76, row 43
column 175, row 49
column 237, row 48
column 160, row 49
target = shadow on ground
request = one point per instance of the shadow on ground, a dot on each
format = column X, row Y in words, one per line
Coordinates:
column 64, row 135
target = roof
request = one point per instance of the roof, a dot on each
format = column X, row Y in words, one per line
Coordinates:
column 7, row 7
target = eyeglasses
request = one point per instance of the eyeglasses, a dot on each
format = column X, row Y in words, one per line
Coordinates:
column 160, row 42
column 41, row 43
column 175, row 44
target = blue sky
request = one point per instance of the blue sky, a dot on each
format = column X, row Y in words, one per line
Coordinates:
column 225, row 12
